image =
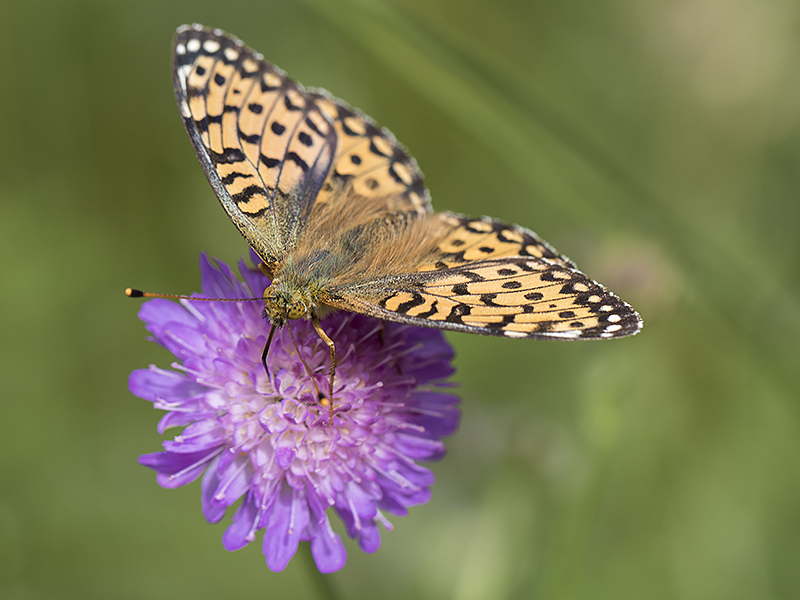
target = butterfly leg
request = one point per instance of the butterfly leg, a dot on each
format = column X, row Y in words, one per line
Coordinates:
column 266, row 350
column 266, row 270
column 329, row 342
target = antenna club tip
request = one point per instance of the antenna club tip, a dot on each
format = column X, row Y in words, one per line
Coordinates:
column 132, row 293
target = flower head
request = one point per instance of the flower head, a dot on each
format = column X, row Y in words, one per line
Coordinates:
column 268, row 442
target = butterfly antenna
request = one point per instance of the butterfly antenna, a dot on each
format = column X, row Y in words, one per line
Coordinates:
column 134, row 293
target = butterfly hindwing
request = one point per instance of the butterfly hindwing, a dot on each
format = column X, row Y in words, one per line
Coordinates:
column 371, row 161
column 470, row 240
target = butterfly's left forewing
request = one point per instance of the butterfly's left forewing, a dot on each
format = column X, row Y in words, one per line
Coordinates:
column 513, row 297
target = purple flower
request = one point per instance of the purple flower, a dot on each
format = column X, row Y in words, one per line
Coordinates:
column 268, row 441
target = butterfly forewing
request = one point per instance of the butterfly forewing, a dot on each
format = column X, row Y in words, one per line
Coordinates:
column 272, row 149
column 515, row 297
column 265, row 146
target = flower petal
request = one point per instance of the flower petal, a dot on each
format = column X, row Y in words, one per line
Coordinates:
column 327, row 549
column 213, row 510
column 175, row 470
column 156, row 384
column 223, row 484
column 369, row 538
column 158, row 313
column 243, row 528
column 287, row 519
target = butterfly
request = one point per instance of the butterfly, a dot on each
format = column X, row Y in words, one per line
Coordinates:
column 338, row 212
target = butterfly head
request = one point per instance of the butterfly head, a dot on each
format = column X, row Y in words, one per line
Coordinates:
column 282, row 304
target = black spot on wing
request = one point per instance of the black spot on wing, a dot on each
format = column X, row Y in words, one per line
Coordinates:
column 457, row 313
column 488, row 300
column 247, row 193
column 304, row 138
column 374, row 149
column 429, row 313
column 269, row 162
column 250, row 139
column 227, row 156
column 472, row 275
column 290, row 106
column 310, row 124
column 501, row 324
column 295, row 158
column 229, row 179
column 549, row 275
column 416, row 300
column 195, row 92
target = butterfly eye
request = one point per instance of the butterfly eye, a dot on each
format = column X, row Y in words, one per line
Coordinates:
column 296, row 311
column 273, row 310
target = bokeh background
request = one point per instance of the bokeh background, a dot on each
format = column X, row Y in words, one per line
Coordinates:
column 656, row 143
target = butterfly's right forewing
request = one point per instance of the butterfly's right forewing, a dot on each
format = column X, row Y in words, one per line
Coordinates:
column 272, row 149
column 265, row 147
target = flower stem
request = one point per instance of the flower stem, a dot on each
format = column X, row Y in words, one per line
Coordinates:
column 321, row 581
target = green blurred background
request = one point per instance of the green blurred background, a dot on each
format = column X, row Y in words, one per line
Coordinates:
column 656, row 143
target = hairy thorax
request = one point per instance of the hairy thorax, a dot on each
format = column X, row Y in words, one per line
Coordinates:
column 340, row 249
